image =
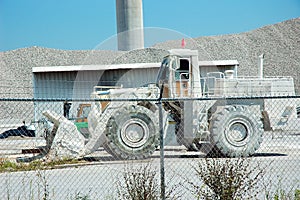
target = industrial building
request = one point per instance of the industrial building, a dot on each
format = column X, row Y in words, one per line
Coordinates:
column 57, row 83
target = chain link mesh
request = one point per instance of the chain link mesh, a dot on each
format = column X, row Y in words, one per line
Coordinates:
column 232, row 148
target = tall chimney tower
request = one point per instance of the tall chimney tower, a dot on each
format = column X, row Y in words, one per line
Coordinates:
column 130, row 24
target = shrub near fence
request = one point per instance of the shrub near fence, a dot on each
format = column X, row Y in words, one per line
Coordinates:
column 261, row 133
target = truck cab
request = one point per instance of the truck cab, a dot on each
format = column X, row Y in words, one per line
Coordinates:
column 179, row 74
column 182, row 76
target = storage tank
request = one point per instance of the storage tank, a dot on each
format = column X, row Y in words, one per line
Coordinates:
column 130, row 24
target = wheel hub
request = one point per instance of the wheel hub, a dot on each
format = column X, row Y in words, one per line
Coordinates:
column 237, row 133
column 135, row 133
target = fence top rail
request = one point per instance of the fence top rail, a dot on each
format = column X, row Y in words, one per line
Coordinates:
column 147, row 99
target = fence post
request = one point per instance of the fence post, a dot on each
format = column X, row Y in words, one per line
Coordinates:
column 162, row 157
column 161, row 147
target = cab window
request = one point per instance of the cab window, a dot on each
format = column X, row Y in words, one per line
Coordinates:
column 183, row 71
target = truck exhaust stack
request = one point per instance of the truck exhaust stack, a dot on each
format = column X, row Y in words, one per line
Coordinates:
column 261, row 66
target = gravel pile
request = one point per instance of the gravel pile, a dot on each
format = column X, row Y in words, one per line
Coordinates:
column 147, row 55
column 279, row 42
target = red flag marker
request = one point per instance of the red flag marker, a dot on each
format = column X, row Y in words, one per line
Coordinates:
column 183, row 43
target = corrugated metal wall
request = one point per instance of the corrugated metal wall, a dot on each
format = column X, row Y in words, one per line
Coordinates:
column 80, row 84
column 54, row 85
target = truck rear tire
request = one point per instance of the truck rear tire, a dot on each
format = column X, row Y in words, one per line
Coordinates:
column 132, row 133
column 236, row 132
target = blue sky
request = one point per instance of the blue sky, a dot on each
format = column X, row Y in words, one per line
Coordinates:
column 79, row 24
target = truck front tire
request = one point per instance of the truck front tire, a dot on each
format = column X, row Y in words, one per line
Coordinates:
column 132, row 133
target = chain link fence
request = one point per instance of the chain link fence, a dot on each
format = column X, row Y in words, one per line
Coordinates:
column 208, row 148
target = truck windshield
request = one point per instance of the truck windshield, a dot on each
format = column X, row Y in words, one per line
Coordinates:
column 163, row 76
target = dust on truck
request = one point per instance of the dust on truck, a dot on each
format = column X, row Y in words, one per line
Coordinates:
column 219, row 122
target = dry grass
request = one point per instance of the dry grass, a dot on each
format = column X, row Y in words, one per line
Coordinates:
column 225, row 178
column 7, row 165
column 142, row 183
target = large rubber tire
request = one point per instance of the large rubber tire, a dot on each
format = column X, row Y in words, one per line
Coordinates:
column 236, row 132
column 132, row 133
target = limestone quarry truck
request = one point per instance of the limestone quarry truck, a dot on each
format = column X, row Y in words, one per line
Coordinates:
column 211, row 111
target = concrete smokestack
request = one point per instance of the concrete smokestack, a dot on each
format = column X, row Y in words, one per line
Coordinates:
column 130, row 24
